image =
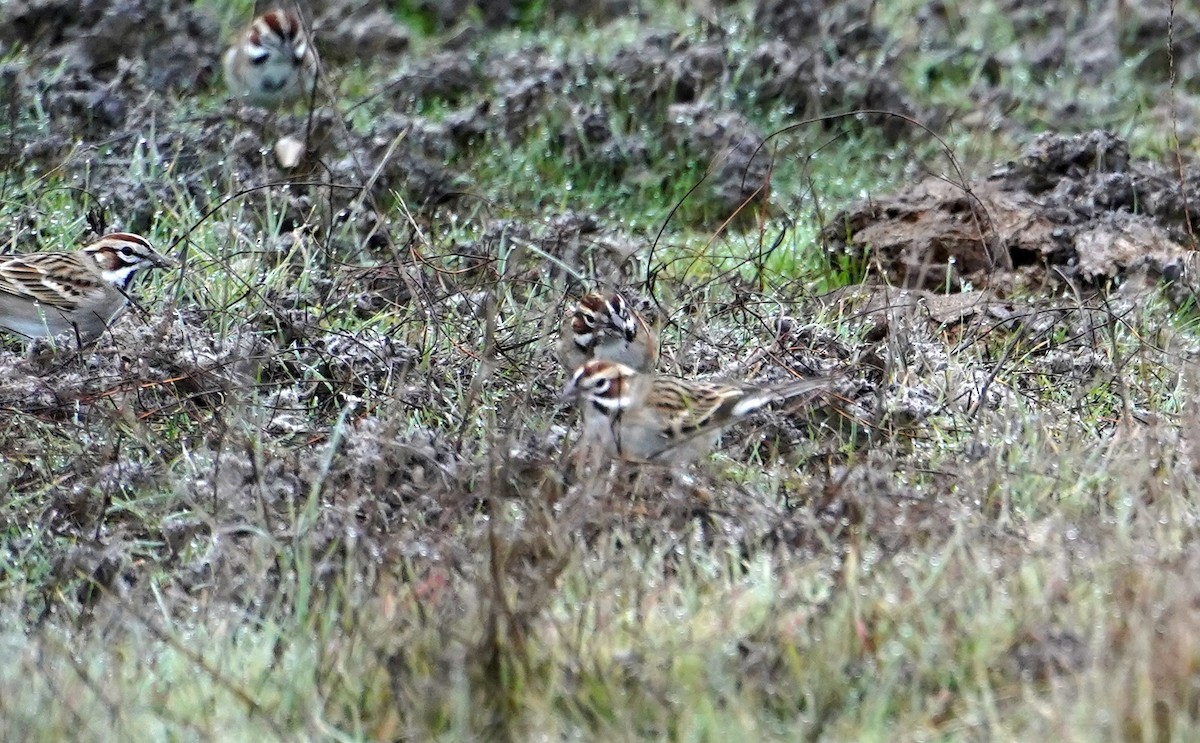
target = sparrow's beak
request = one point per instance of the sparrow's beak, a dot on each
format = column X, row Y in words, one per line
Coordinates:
column 162, row 261
column 569, row 393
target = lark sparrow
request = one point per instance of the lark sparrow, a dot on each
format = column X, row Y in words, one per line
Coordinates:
column 606, row 327
column 44, row 294
column 272, row 63
column 653, row 418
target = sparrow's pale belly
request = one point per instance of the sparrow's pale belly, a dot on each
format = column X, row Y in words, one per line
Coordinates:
column 35, row 320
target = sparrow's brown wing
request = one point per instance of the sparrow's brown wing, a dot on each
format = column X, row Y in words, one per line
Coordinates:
column 53, row 279
column 688, row 409
column 701, row 407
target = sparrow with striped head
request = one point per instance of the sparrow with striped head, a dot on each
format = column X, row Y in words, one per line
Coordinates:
column 665, row 420
column 607, row 327
column 46, row 294
column 272, row 63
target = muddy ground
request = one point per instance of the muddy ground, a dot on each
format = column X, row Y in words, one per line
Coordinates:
column 235, row 415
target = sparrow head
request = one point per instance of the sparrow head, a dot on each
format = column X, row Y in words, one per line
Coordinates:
column 120, row 255
column 604, row 384
column 620, row 317
column 279, row 34
column 595, row 313
column 589, row 315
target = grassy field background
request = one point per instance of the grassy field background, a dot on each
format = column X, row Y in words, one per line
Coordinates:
column 319, row 487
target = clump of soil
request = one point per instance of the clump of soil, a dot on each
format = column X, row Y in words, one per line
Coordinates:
column 1064, row 209
column 175, row 46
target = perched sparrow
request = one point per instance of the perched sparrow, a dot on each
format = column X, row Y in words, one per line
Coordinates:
column 272, row 63
column 606, row 327
column 653, row 418
column 44, row 294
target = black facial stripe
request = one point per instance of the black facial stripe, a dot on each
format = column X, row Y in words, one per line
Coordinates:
column 584, row 341
column 620, row 317
column 273, row 86
column 127, row 278
column 608, row 405
column 605, row 393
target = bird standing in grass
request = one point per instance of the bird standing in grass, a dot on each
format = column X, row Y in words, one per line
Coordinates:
column 665, row 420
column 607, row 327
column 46, row 294
column 272, row 63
